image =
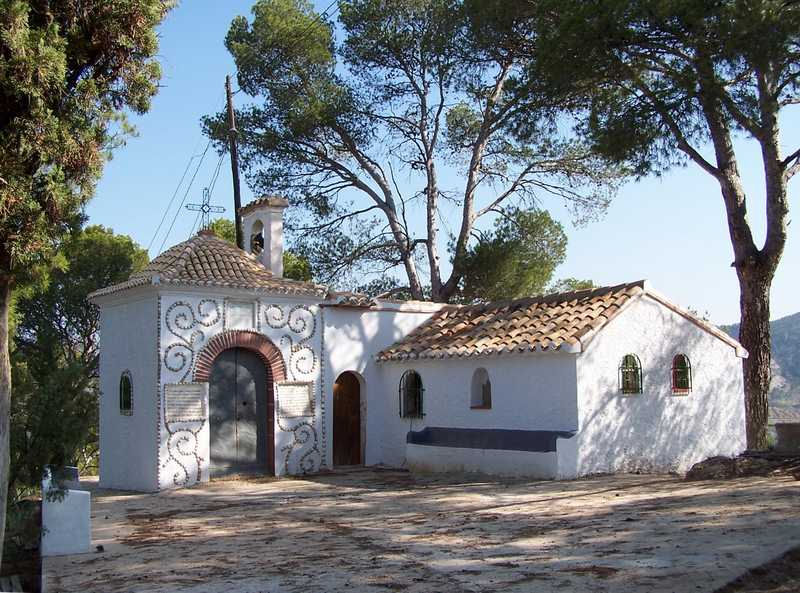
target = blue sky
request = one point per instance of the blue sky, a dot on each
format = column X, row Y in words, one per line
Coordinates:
column 670, row 230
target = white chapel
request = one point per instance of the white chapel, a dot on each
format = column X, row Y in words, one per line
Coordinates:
column 212, row 363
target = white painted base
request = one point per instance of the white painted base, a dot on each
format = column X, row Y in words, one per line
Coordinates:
column 423, row 458
column 66, row 524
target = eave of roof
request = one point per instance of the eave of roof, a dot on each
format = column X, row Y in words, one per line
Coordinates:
column 564, row 322
column 208, row 261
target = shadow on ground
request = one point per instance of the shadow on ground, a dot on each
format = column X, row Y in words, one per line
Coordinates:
column 370, row 531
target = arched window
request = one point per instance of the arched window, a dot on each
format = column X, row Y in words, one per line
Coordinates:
column 257, row 238
column 126, row 394
column 681, row 374
column 630, row 374
column 411, row 395
column 481, row 391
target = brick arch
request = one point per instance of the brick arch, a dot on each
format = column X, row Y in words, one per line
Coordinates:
column 249, row 340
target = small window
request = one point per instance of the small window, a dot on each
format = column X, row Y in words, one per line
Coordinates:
column 681, row 374
column 126, row 394
column 630, row 374
column 411, row 395
column 481, row 391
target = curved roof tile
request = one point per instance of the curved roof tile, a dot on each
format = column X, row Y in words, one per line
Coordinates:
column 207, row 260
column 552, row 322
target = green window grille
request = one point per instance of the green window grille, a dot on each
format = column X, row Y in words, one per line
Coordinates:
column 630, row 374
column 681, row 374
column 126, row 394
column 411, row 391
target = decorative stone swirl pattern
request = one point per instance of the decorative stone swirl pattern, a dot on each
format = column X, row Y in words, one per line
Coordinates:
column 183, row 451
column 183, row 462
column 182, row 322
column 187, row 326
column 302, row 433
column 299, row 323
column 302, row 321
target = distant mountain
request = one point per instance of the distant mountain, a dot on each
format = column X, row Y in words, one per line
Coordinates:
column 785, row 390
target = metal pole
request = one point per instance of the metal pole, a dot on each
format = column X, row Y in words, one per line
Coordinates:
column 237, row 196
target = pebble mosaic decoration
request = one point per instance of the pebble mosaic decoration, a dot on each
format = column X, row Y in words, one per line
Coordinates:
column 187, row 326
column 300, row 323
column 183, row 437
column 182, row 323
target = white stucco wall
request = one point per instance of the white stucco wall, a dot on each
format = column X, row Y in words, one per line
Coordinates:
column 529, row 392
column 424, row 459
column 157, row 336
column 654, row 431
column 352, row 338
column 128, row 458
column 188, row 319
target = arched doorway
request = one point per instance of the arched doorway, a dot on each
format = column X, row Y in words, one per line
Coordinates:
column 239, row 428
column 241, row 367
column 347, row 420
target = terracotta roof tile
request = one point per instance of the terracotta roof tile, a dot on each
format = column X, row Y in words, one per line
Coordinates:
column 552, row 322
column 207, row 260
column 274, row 201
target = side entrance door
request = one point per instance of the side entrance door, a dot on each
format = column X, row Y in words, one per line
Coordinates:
column 240, row 422
column 347, row 420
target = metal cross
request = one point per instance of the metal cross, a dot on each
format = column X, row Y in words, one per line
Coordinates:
column 205, row 209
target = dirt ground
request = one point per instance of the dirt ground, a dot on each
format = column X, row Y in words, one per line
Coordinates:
column 781, row 575
column 377, row 531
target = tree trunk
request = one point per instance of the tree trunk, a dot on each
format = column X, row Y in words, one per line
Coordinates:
column 754, row 335
column 5, row 403
column 755, row 267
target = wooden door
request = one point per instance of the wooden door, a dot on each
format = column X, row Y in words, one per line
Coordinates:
column 240, row 422
column 347, row 420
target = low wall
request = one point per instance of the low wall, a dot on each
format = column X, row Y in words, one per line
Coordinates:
column 500, row 452
column 425, row 458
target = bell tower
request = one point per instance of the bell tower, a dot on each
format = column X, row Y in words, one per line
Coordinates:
column 262, row 227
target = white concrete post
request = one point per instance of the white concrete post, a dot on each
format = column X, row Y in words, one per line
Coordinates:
column 66, row 523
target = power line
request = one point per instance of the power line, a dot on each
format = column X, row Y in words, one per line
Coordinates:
column 177, row 188
column 175, row 193
column 194, row 225
column 185, row 195
column 317, row 18
column 216, row 174
column 210, row 189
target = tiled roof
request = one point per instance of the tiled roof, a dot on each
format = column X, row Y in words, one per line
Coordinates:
column 207, row 260
column 275, row 201
column 351, row 299
column 563, row 322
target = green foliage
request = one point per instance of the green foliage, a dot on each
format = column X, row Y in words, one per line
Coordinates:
column 650, row 72
column 570, row 285
column 386, row 287
column 516, row 259
column 224, row 229
column 659, row 83
column 68, row 71
column 295, row 266
column 55, row 360
column 355, row 132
